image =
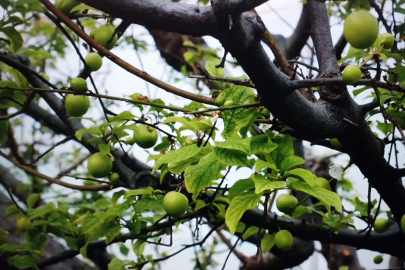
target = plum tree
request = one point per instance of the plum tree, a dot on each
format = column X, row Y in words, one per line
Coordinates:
column 228, row 124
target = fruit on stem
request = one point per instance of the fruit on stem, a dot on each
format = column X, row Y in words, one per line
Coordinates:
column 99, row 165
column 351, row 74
column 175, row 204
column 76, row 105
column 93, row 61
column 360, row 29
column 283, row 240
column 145, row 136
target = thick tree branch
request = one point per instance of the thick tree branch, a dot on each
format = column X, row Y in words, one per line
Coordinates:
column 390, row 242
column 321, row 36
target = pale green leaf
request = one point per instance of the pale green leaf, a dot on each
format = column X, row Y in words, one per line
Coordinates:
column 264, row 184
column 327, row 197
column 230, row 157
column 291, row 161
column 303, row 174
column 235, row 143
column 32, row 199
column 178, row 155
column 212, row 70
column 240, row 187
column 197, row 177
column 260, row 165
column 238, row 206
column 261, row 144
column 267, row 242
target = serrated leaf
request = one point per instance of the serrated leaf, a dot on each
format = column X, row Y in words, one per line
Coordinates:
column 200, row 176
column 238, row 206
column 178, row 155
column 32, row 199
column 214, row 71
column 267, row 242
column 303, row 174
column 235, row 143
column 285, row 149
column 193, row 124
column 22, row 262
column 292, row 161
column 260, row 165
column 327, row 197
column 261, row 144
column 264, row 184
column 240, row 187
column 230, row 157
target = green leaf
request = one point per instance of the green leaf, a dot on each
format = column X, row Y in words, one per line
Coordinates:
column 238, row 206
column 139, row 247
column 178, row 155
column 14, row 37
column 399, row 116
column 235, row 120
column 117, row 264
column 240, row 187
column 385, row 128
column 32, row 199
column 327, row 197
column 193, row 124
column 194, row 105
column 179, row 167
column 235, row 143
column 250, row 231
column 284, row 150
column 303, row 174
column 22, row 261
column 260, row 165
column 92, row 130
column 230, row 157
column 104, row 148
column 214, row 71
column 135, row 192
column 200, row 176
column 125, row 115
column 292, row 161
column 360, row 90
column 12, row 210
column 267, row 242
column 264, row 184
column 261, row 144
